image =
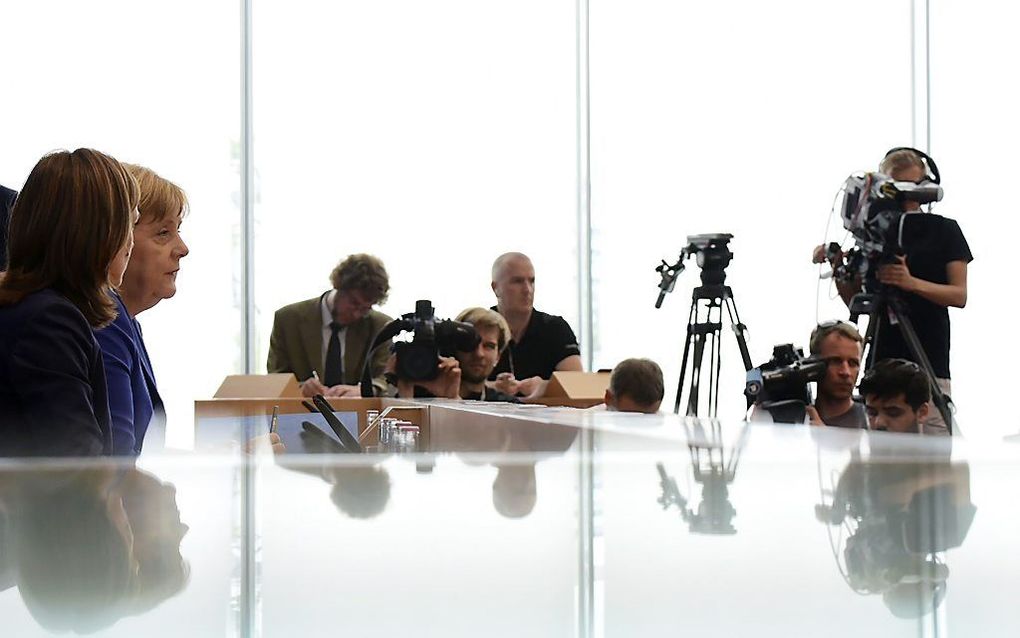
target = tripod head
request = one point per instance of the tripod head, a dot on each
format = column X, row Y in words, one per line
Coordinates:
column 713, row 255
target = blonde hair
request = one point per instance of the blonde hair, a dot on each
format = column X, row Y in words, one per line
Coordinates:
column 159, row 198
column 823, row 330
column 72, row 217
column 485, row 318
column 901, row 160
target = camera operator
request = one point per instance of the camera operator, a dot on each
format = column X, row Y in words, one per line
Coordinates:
column 838, row 343
column 463, row 375
column 932, row 274
column 896, row 394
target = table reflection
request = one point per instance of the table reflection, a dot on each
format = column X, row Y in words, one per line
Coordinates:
column 86, row 547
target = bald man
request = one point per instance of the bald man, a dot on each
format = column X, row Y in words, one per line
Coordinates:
column 540, row 343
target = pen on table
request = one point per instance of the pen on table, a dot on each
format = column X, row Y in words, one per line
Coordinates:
column 275, row 420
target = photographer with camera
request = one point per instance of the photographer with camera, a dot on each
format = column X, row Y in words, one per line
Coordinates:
column 463, row 375
column 930, row 272
column 838, row 344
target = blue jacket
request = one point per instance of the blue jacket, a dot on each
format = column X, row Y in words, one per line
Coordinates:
column 129, row 381
column 52, row 385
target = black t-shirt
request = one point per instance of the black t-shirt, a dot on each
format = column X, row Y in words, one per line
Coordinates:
column 547, row 340
column 489, row 395
column 930, row 242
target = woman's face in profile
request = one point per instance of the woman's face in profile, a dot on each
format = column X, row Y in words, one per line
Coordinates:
column 152, row 272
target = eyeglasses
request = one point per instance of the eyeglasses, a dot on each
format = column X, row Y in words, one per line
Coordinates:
column 355, row 301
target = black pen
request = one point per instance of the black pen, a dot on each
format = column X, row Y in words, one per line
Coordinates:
column 275, row 420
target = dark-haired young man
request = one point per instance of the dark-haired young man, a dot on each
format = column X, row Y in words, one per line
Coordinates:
column 896, row 395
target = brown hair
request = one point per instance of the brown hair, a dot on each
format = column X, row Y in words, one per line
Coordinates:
column 823, row 330
column 73, row 215
column 159, row 198
column 485, row 318
column 362, row 272
column 639, row 379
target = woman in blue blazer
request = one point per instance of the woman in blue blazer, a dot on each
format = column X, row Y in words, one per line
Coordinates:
column 70, row 238
column 151, row 276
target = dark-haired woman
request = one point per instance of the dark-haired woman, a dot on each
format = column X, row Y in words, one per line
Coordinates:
column 70, row 239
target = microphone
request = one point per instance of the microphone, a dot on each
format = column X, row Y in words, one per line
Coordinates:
column 346, row 438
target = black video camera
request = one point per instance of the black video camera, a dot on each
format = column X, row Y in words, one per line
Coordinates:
column 781, row 385
column 418, row 359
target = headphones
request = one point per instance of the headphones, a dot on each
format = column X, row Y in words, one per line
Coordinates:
column 931, row 169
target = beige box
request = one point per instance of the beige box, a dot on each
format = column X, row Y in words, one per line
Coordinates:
column 258, row 386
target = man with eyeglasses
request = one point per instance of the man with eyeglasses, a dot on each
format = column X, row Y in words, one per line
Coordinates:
column 897, row 395
column 839, row 344
column 324, row 341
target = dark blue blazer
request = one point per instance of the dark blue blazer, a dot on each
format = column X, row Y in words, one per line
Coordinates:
column 129, row 381
column 52, row 384
column 7, row 197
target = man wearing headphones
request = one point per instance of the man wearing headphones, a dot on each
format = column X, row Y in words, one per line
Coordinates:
column 931, row 274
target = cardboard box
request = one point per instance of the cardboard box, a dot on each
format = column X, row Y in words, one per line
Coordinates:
column 259, row 386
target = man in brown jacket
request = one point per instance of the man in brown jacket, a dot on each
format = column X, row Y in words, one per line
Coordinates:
column 324, row 341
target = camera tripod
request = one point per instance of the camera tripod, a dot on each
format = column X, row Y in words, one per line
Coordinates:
column 888, row 302
column 702, row 332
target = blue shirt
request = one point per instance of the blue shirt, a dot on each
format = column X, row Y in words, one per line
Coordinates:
column 130, row 382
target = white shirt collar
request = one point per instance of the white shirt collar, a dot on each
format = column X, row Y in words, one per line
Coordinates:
column 326, row 306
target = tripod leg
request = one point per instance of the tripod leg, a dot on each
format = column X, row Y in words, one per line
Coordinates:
column 942, row 403
column 714, row 358
column 692, row 318
column 717, row 355
column 738, row 328
column 699, row 354
column 871, row 336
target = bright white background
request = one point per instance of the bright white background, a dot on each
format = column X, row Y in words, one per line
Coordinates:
column 440, row 134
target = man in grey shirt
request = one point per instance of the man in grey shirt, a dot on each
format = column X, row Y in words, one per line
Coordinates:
column 839, row 344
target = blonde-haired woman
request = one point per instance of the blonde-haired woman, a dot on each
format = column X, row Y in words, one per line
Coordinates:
column 151, row 276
